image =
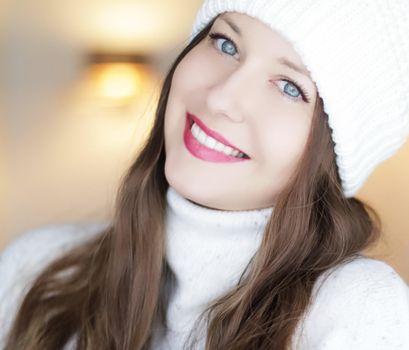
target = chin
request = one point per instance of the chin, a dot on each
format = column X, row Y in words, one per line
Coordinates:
column 191, row 193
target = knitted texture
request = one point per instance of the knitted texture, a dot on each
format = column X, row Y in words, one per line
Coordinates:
column 363, row 304
column 357, row 53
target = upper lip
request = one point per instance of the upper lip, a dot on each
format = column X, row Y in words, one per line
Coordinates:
column 212, row 133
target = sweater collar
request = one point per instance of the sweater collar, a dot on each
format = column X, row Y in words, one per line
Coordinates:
column 194, row 214
column 207, row 251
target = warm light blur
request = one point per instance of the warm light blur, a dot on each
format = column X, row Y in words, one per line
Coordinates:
column 68, row 148
column 119, row 25
column 128, row 21
column 118, row 83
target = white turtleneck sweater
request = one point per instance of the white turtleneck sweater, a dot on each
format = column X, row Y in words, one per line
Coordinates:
column 362, row 305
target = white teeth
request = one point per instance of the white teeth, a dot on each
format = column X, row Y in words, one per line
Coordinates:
column 228, row 149
column 195, row 130
column 219, row 147
column 212, row 143
column 201, row 137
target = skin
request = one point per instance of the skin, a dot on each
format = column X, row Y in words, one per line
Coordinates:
column 239, row 89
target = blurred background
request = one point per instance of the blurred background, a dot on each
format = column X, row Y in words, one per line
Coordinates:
column 79, row 81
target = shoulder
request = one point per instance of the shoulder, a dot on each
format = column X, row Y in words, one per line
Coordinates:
column 37, row 247
column 25, row 257
column 362, row 304
column 361, row 277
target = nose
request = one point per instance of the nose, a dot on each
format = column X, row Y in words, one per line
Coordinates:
column 229, row 95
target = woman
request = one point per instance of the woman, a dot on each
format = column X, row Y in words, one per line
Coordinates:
column 236, row 226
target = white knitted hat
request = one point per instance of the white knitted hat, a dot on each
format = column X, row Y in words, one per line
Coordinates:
column 357, row 53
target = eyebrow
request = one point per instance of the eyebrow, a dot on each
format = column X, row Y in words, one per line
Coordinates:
column 281, row 60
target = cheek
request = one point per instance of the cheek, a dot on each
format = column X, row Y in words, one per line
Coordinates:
column 189, row 82
column 178, row 99
column 283, row 141
column 192, row 72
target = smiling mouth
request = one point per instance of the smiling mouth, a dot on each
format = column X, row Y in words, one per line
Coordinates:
column 194, row 120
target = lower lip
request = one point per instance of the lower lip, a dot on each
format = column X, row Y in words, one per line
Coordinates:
column 202, row 152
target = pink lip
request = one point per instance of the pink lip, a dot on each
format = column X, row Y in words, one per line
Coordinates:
column 203, row 152
column 211, row 132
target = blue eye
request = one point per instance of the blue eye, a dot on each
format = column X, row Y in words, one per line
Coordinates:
column 294, row 91
column 228, row 46
column 291, row 89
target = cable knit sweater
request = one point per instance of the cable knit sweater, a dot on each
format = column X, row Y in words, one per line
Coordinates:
column 362, row 305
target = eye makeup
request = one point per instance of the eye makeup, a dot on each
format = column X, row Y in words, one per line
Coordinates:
column 304, row 94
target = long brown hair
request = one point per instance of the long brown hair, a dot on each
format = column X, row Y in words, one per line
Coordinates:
column 110, row 291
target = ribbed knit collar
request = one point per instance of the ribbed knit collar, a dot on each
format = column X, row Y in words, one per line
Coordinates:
column 207, row 250
column 197, row 215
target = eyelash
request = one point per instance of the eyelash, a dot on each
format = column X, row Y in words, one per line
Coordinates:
column 214, row 36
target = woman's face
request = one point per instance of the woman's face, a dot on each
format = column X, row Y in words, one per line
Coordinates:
column 243, row 93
